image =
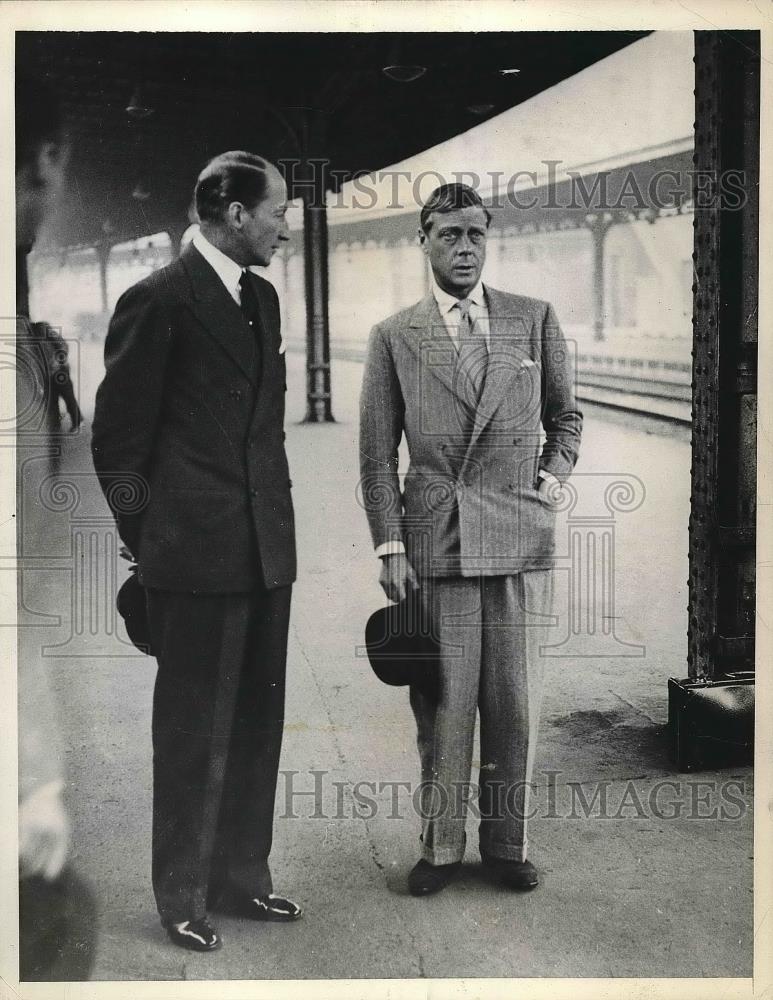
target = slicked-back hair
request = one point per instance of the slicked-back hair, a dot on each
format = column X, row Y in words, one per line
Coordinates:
column 232, row 176
column 450, row 198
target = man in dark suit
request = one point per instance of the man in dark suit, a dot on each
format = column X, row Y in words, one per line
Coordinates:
column 188, row 443
column 471, row 376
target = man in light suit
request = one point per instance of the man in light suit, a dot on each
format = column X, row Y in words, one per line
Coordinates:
column 470, row 375
column 188, row 443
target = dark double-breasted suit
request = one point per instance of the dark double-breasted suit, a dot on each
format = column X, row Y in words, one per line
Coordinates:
column 188, row 444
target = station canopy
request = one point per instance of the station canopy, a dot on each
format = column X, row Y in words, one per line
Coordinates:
column 634, row 108
column 146, row 110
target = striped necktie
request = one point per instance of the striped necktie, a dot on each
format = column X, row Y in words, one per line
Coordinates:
column 473, row 354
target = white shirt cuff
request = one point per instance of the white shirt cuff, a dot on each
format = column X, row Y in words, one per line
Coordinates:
column 548, row 477
column 390, row 549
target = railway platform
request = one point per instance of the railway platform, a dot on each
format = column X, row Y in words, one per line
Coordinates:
column 633, row 856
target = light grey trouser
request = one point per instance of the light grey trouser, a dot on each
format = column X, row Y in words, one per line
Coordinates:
column 490, row 630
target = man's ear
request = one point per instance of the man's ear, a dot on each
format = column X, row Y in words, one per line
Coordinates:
column 235, row 214
column 422, row 239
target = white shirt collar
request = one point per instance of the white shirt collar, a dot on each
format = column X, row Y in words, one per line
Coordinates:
column 226, row 269
column 447, row 302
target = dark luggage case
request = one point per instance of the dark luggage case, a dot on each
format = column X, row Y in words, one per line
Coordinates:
column 711, row 723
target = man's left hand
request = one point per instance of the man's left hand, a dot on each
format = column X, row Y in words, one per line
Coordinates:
column 549, row 491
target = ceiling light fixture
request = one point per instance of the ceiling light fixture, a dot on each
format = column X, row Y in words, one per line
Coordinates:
column 404, row 73
column 141, row 191
column 136, row 108
column 508, row 72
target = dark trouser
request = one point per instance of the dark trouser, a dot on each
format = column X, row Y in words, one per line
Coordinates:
column 218, row 713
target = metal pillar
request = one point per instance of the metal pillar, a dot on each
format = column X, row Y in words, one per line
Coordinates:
column 711, row 715
column 175, row 234
column 722, row 533
column 103, row 255
column 315, row 251
column 599, row 225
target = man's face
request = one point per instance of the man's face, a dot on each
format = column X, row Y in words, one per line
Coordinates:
column 265, row 226
column 456, row 248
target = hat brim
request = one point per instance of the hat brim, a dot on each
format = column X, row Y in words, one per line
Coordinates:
column 401, row 651
column 132, row 607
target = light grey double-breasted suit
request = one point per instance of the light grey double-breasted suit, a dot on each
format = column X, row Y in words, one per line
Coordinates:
column 474, row 529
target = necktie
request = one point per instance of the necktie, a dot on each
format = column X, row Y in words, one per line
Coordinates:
column 473, row 354
column 248, row 303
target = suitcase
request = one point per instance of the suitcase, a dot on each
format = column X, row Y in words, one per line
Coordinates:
column 711, row 723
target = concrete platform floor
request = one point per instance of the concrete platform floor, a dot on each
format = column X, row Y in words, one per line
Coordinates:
column 626, row 891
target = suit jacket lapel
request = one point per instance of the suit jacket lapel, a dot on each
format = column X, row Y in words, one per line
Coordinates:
column 218, row 313
column 508, row 352
column 428, row 339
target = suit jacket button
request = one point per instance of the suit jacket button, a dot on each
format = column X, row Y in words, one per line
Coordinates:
column 250, row 442
column 253, row 492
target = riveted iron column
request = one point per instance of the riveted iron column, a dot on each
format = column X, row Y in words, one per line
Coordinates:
column 722, row 534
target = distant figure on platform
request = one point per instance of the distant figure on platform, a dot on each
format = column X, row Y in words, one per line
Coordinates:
column 189, row 417
column 60, row 380
column 470, row 375
column 56, row 911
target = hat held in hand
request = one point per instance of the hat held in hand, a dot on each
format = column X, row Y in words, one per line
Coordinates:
column 401, row 648
column 131, row 605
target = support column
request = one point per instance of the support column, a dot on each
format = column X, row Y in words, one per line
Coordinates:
column 103, row 255
column 599, row 225
column 711, row 715
column 722, row 522
column 315, row 253
column 175, row 234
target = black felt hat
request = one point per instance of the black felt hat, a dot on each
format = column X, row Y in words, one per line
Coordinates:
column 401, row 648
column 130, row 601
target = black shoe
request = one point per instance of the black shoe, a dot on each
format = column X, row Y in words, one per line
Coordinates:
column 426, row 879
column 519, row 875
column 195, row 935
column 269, row 907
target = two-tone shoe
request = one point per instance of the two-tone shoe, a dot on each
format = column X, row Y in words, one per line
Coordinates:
column 270, row 907
column 195, row 935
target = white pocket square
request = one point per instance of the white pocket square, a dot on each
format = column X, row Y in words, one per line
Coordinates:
column 528, row 363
